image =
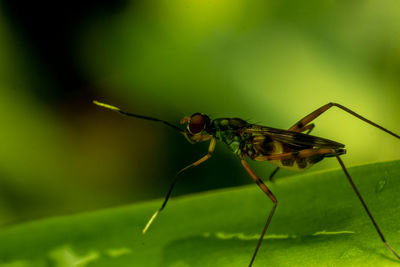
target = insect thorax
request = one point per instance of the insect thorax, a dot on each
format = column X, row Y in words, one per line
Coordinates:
column 226, row 130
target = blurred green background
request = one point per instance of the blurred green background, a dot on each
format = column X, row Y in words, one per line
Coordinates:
column 270, row 62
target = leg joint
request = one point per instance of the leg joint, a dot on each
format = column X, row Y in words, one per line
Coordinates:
column 274, row 200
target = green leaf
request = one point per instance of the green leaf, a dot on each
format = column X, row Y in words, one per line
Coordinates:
column 319, row 222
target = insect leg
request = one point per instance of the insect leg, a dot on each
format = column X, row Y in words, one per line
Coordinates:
column 310, row 117
column 271, row 176
column 266, row 190
column 308, row 127
column 194, row 164
column 366, row 208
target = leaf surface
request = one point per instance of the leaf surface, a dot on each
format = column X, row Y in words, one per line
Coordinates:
column 319, row 222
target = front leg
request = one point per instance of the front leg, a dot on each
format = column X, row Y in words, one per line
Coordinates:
column 194, row 164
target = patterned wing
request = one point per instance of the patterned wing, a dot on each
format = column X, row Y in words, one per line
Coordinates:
column 291, row 138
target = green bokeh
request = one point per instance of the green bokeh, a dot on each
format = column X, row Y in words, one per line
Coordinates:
column 266, row 61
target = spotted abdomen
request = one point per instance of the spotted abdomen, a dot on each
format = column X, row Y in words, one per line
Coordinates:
column 284, row 155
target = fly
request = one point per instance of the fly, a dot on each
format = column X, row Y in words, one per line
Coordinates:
column 290, row 149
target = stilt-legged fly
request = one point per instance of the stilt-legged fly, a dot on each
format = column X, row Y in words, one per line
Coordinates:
column 289, row 149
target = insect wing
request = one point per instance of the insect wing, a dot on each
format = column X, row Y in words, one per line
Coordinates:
column 292, row 138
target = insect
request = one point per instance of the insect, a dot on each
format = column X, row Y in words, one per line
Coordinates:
column 289, row 149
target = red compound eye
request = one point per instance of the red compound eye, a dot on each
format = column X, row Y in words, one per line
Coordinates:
column 197, row 123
